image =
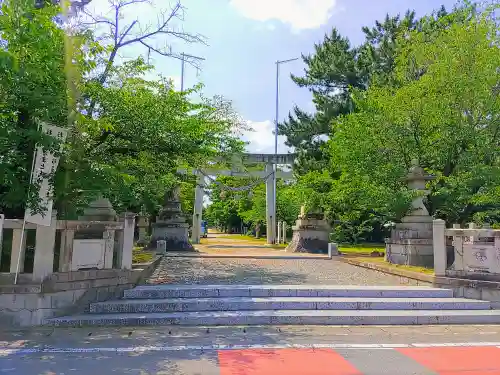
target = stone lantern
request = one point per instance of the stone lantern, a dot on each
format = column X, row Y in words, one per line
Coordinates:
column 411, row 240
column 171, row 229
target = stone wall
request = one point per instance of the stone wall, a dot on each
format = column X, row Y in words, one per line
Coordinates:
column 65, row 293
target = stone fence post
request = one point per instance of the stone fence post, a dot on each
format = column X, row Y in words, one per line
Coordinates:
column 66, row 249
column 126, row 242
column 17, row 250
column 43, row 264
column 109, row 244
column 2, row 220
column 439, row 247
column 457, row 243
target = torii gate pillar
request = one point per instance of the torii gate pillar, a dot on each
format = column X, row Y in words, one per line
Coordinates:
column 270, row 209
column 198, row 209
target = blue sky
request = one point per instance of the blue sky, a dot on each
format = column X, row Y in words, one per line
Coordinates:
column 246, row 37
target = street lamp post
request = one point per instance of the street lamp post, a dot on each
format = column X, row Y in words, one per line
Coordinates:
column 183, row 59
column 276, row 119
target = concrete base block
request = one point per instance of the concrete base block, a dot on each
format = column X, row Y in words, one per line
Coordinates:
column 410, row 253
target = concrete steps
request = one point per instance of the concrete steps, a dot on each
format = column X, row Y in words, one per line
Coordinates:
column 284, row 304
column 282, row 317
column 216, row 291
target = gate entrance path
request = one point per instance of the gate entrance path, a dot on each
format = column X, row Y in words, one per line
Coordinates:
column 207, row 290
column 226, row 259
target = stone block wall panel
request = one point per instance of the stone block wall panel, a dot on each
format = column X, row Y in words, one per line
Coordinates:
column 65, row 293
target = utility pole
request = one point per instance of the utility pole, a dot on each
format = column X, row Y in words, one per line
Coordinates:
column 276, row 120
column 183, row 59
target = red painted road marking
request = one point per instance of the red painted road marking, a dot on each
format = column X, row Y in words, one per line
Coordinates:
column 457, row 360
column 284, row 361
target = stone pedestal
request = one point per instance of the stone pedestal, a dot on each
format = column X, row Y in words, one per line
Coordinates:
column 411, row 240
column 171, row 225
column 310, row 235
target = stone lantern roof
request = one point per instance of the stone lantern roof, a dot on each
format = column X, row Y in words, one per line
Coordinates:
column 417, row 173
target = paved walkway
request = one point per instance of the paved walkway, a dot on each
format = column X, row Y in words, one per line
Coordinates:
column 450, row 350
column 202, row 270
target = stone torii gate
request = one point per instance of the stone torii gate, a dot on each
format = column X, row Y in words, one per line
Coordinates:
column 269, row 160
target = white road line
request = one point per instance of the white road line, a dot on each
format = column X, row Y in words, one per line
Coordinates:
column 6, row 351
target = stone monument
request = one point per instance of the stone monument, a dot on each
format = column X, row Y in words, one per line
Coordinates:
column 143, row 225
column 100, row 209
column 411, row 240
column 171, row 225
column 97, row 211
column 93, row 243
column 310, row 234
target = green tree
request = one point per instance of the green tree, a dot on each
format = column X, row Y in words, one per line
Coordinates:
column 234, row 208
column 338, row 74
column 333, row 71
column 139, row 131
column 448, row 119
column 151, row 130
column 33, row 88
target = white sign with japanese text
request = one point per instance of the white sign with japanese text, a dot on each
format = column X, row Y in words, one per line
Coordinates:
column 45, row 167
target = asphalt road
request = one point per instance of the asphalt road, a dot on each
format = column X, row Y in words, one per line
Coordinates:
column 418, row 350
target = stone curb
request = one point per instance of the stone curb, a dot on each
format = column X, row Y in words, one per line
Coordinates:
column 438, row 281
column 391, row 271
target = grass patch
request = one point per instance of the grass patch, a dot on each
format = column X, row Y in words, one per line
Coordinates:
column 381, row 261
column 238, row 237
column 243, row 238
column 141, row 256
column 362, row 249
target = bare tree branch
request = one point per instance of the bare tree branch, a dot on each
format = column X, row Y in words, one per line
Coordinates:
column 96, row 20
column 121, row 37
column 163, row 28
column 119, row 43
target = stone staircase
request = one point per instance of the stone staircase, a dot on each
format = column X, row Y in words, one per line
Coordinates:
column 229, row 305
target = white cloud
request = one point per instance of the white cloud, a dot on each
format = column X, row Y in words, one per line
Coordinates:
column 299, row 14
column 261, row 139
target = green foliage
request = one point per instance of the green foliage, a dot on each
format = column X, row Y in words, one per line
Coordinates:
column 126, row 137
column 33, row 88
column 448, row 119
column 232, row 209
column 416, row 88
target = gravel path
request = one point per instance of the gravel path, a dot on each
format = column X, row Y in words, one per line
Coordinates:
column 197, row 270
column 265, row 271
